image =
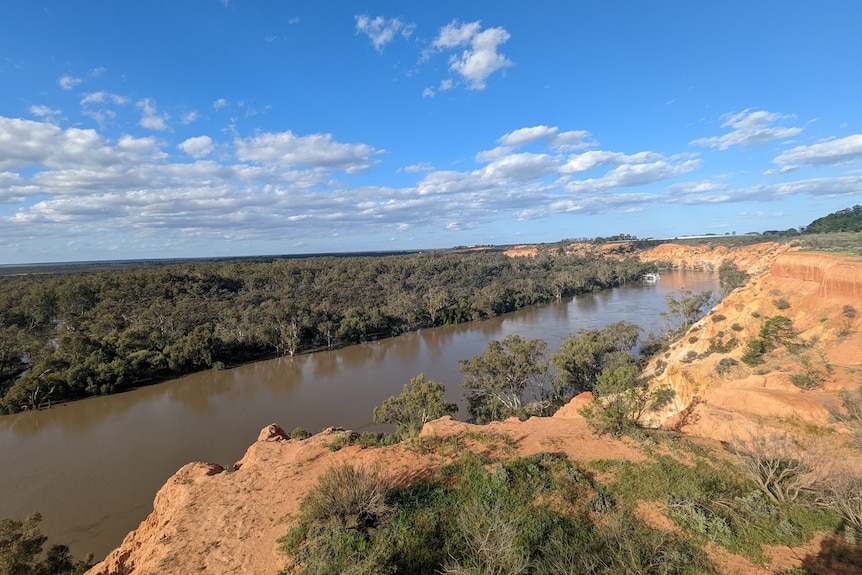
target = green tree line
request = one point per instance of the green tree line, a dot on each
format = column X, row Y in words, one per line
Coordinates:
column 70, row 335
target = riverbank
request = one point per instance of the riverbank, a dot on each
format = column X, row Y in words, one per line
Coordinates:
column 246, row 510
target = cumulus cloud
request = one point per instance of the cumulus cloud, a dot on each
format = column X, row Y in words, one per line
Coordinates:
column 219, row 104
column 596, row 158
column 285, row 187
column 417, row 168
column 189, row 117
column 25, row 143
column 44, row 111
column 316, row 150
column 480, row 57
column 749, row 128
column 151, row 119
column 631, row 175
column 197, row 147
column 382, row 30
column 548, row 135
column 571, row 140
column 103, row 97
column 705, row 192
column 836, row 151
column 68, row 82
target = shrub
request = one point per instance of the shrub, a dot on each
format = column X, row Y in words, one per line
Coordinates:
column 853, row 404
column 352, row 497
column 621, row 400
column 781, row 303
column 299, row 433
column 754, row 351
column 779, row 466
column 719, row 346
column 420, row 402
column 718, row 317
column 725, row 365
column 736, row 327
column 843, row 494
column 778, row 330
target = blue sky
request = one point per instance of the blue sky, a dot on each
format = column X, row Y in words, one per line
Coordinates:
column 132, row 129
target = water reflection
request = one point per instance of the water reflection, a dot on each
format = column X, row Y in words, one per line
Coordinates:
column 111, row 454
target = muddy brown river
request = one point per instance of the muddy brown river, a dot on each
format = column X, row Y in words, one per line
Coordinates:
column 92, row 467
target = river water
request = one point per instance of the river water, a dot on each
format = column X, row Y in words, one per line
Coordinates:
column 92, row 467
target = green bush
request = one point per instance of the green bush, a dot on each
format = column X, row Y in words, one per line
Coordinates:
column 420, row 402
column 725, row 365
column 525, row 516
column 754, row 350
column 781, row 303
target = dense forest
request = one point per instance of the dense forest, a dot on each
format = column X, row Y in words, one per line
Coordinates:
column 71, row 335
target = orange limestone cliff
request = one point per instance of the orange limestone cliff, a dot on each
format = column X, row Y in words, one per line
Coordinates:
column 720, row 396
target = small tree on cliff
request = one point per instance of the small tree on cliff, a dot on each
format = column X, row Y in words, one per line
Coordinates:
column 731, row 277
column 622, row 398
column 420, row 402
column 497, row 381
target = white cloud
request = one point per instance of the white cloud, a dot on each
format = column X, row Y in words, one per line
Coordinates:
column 68, row 82
column 750, row 128
column 781, row 171
column 316, row 150
column 836, row 151
column 417, row 168
column 219, row 104
column 524, row 136
column 705, row 192
column 197, row 147
column 44, row 111
column 382, row 30
column 103, row 97
column 151, row 119
column 572, row 140
column 455, row 34
column 480, row 59
column 96, row 72
column 189, row 117
column 519, row 138
column 26, row 143
column 596, row 158
column 632, row 175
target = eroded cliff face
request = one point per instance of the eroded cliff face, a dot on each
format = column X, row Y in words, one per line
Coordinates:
column 720, row 397
column 754, row 258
